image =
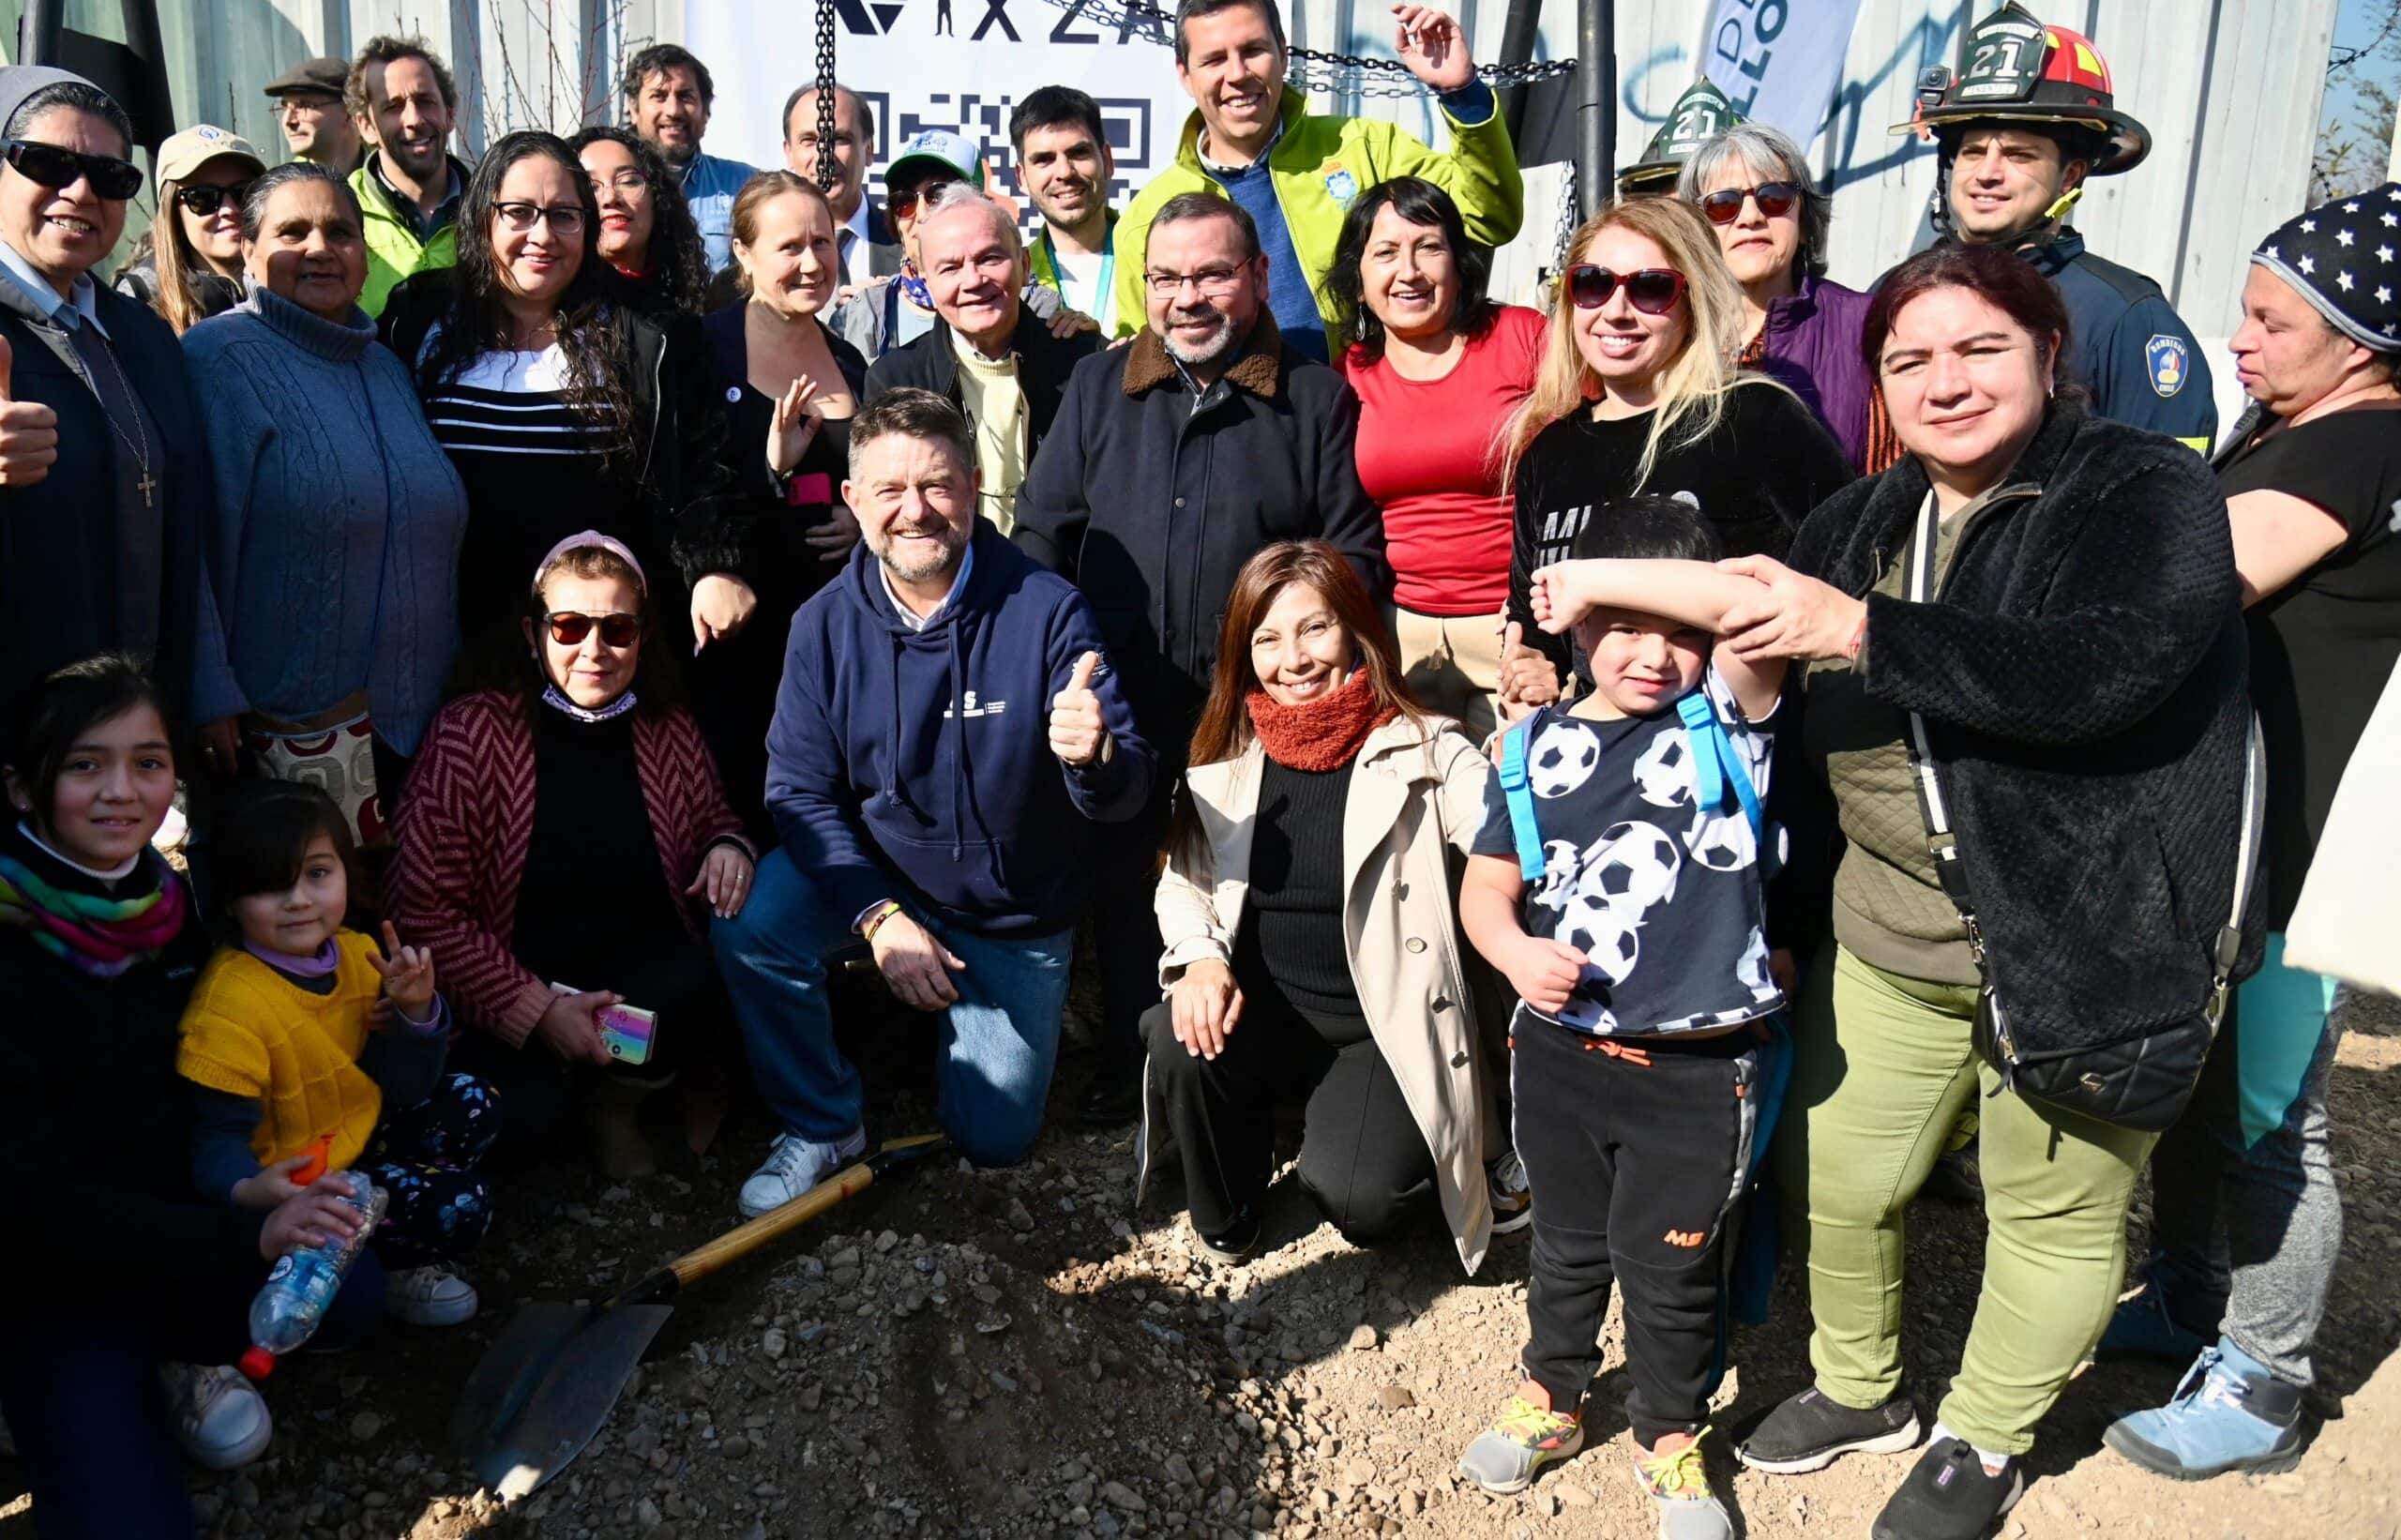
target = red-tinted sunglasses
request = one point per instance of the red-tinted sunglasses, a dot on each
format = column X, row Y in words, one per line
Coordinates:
column 569, row 628
column 1775, row 200
column 1653, row 290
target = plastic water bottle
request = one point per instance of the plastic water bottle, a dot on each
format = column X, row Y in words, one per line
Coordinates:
column 305, row 1280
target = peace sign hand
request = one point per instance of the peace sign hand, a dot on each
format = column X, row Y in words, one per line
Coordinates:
column 408, row 976
column 797, row 418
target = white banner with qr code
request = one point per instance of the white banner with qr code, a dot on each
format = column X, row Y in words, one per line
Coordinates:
column 941, row 63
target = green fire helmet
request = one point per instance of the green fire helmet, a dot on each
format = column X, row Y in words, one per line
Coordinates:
column 1700, row 115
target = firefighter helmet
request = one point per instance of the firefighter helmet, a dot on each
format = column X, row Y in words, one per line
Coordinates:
column 1700, row 115
column 2013, row 69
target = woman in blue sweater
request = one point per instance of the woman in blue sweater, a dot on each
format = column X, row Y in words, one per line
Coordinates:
column 333, row 537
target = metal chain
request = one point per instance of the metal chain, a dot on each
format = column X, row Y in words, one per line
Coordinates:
column 1314, row 69
column 827, row 172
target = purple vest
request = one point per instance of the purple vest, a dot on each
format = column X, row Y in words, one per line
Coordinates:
column 1812, row 345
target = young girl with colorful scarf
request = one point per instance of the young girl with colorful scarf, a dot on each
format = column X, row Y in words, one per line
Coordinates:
column 123, row 1284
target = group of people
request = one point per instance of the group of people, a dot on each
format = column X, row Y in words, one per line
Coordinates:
column 1633, row 768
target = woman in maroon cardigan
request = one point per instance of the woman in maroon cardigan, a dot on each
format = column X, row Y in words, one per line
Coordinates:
column 564, row 841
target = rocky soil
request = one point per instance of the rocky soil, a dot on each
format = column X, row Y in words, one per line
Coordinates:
column 1019, row 1354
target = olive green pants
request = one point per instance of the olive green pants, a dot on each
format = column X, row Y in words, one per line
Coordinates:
column 1883, row 1067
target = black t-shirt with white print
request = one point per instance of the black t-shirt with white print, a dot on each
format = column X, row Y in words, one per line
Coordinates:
column 1755, row 477
column 1665, row 897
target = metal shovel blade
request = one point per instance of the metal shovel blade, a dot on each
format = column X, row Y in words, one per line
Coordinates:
column 564, row 1367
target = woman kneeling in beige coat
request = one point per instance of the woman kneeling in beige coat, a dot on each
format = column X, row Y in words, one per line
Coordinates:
column 1312, row 941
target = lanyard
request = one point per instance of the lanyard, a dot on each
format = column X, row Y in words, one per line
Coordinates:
column 1103, row 297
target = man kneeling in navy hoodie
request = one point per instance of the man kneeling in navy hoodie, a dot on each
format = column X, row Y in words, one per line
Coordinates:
column 946, row 741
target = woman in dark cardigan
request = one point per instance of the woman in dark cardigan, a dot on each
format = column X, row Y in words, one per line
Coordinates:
column 2073, row 680
column 790, row 387
column 103, row 469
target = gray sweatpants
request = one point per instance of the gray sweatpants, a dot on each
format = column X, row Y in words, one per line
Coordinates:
column 2247, row 1222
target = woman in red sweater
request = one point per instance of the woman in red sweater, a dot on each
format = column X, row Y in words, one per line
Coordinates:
column 564, row 841
column 1440, row 369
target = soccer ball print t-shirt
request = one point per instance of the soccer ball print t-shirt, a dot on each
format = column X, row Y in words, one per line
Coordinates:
column 1664, row 898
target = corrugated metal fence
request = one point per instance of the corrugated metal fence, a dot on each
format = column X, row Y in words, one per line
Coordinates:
column 2230, row 90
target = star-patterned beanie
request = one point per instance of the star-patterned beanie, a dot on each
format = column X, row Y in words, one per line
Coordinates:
column 2345, row 258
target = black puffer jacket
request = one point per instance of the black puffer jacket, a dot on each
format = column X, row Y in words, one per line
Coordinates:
column 2084, row 684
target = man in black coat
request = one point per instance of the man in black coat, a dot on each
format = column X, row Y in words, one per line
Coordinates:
column 995, row 359
column 1175, row 458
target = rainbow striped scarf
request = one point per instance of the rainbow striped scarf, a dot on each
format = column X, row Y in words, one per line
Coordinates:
column 102, row 937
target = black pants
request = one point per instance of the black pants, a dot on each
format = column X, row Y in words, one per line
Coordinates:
column 425, row 1157
column 1632, row 1146
column 678, row 979
column 1362, row 1159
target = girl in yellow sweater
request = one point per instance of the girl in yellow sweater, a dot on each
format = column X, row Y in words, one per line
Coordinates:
column 301, row 1031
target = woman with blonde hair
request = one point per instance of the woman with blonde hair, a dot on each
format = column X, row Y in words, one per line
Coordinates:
column 791, row 385
column 1639, row 392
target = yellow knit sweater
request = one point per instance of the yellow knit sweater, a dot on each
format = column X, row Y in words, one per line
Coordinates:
column 250, row 1031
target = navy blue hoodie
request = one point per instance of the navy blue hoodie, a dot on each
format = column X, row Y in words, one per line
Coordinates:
column 916, row 765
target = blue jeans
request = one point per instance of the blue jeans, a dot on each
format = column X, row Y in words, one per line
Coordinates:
column 999, row 1041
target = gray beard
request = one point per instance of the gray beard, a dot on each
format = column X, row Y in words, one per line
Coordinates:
column 1209, row 351
column 922, row 571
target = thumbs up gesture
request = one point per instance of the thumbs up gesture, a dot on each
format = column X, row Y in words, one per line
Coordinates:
column 28, row 433
column 1076, row 733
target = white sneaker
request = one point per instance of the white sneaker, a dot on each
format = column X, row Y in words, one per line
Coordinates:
column 220, row 1419
column 794, row 1164
column 1512, row 1201
column 431, row 1295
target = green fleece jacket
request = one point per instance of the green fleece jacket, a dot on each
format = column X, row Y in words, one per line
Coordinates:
column 393, row 251
column 1321, row 164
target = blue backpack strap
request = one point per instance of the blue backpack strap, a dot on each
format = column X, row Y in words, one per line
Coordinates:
column 1715, row 763
column 1517, row 788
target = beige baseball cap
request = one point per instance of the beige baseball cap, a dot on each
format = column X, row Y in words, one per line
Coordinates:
column 188, row 151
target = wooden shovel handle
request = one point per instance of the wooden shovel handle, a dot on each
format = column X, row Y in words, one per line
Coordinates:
column 850, row 1181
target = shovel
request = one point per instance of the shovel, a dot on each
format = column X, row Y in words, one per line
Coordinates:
column 552, row 1375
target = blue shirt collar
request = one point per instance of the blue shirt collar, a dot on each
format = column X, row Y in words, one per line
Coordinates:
column 82, row 296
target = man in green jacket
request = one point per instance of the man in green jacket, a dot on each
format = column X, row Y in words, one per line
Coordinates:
column 404, row 100
column 1297, row 173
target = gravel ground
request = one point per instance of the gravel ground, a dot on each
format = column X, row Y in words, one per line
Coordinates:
column 1018, row 1354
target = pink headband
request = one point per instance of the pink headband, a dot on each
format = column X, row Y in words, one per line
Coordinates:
column 590, row 537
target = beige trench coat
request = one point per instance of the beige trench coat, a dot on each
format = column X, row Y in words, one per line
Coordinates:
column 1414, row 805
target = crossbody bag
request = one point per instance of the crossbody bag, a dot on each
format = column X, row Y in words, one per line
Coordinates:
column 2142, row 1083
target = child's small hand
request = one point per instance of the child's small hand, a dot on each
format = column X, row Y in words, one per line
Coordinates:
column 1544, row 973
column 1554, row 596
column 310, row 1217
column 272, row 1186
column 408, row 976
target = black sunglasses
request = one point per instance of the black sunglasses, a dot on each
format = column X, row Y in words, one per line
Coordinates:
column 1653, row 290
column 569, row 628
column 901, row 204
column 200, row 201
column 1775, row 200
column 113, row 179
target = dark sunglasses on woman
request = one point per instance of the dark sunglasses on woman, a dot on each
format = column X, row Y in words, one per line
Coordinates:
column 201, row 200
column 901, row 204
column 113, row 179
column 1775, row 200
column 569, row 628
column 1653, row 290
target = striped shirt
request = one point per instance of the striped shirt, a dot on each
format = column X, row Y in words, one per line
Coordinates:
column 535, row 472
